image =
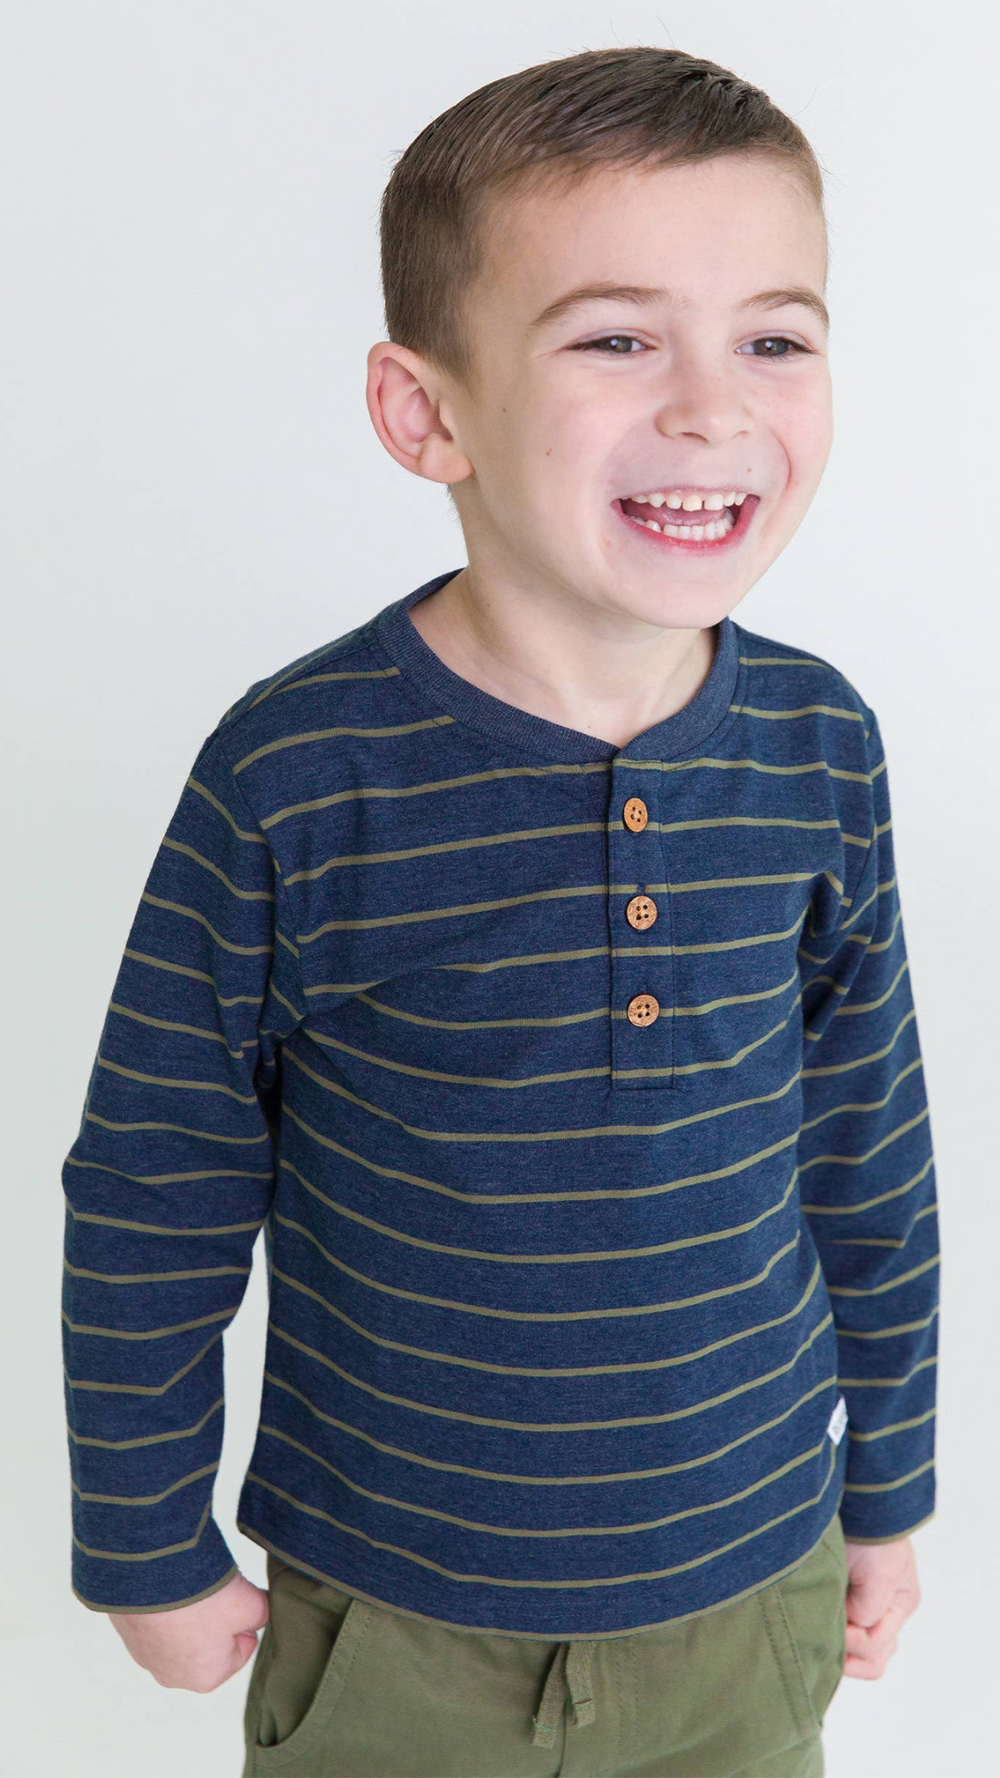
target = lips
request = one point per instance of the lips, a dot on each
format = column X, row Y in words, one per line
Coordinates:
column 669, row 515
column 650, row 537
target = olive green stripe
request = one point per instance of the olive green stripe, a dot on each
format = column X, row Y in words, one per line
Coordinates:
column 866, row 1438
column 170, row 1549
column 433, row 786
column 176, row 907
column 194, row 1475
column 889, row 1283
column 153, row 1438
column 196, row 975
column 175, row 1179
column 721, row 1061
column 618, row 1580
column 152, row 1333
column 860, row 1104
column 591, row 1194
column 241, row 833
column 861, row 1160
column 572, row 1018
column 437, row 786
column 663, row 1418
column 286, row 679
column 489, row 1256
column 852, row 1009
column 282, row 1001
column 861, row 1061
column 466, row 1080
column 782, row 660
column 556, row 1197
column 539, row 1481
column 579, row 955
column 161, row 1080
column 404, row 854
column 383, row 731
column 637, row 950
column 145, row 1018
column 889, row 1382
column 108, row 1123
column 534, row 1080
column 542, row 1317
column 206, row 863
column 587, row 1133
column 750, row 764
column 104, row 1388
column 152, row 1228
column 886, row 1487
column 801, row 710
column 530, row 1136
column 461, row 910
column 155, row 1277
column 888, row 1333
column 541, row 1371
column 324, row 679
column 518, row 836
column 858, row 938
column 638, row 1526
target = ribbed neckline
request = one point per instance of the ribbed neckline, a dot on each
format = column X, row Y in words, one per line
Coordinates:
column 672, row 738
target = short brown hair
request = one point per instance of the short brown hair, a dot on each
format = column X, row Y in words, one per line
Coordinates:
column 553, row 124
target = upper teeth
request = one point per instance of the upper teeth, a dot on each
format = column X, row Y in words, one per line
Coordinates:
column 692, row 502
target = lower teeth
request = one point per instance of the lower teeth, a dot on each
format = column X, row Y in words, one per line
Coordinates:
column 697, row 533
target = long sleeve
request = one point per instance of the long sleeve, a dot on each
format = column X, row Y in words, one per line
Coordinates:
column 165, row 1187
column 867, row 1183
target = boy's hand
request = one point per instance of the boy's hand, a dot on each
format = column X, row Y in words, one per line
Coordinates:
column 197, row 1647
column 882, row 1591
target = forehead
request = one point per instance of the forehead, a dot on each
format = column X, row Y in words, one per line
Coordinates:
column 711, row 231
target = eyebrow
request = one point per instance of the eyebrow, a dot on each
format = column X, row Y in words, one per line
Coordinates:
column 645, row 294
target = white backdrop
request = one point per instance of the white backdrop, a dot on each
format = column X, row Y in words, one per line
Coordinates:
column 193, row 495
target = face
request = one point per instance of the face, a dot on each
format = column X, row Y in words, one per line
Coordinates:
column 615, row 397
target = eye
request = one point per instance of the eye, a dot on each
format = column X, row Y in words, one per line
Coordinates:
column 608, row 340
column 611, row 339
column 779, row 339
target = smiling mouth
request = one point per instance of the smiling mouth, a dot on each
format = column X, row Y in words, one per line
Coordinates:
column 713, row 532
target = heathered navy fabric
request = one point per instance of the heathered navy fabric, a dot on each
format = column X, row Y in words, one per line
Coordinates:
column 561, row 1307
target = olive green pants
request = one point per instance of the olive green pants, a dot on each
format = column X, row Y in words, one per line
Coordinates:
column 344, row 1689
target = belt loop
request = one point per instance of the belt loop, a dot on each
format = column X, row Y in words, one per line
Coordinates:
column 550, row 1709
column 578, row 1676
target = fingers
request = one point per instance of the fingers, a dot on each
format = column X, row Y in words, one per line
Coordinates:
column 868, row 1652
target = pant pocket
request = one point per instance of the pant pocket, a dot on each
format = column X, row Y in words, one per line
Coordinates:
column 307, row 1651
column 806, row 1621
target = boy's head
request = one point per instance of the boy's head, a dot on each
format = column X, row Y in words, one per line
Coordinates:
column 643, row 168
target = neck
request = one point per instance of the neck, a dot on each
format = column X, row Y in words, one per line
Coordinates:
column 583, row 667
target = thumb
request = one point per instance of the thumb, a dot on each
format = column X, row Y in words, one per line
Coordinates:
column 245, row 1645
column 255, row 1612
column 868, row 1599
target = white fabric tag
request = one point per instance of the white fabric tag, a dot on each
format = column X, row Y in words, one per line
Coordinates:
column 838, row 1421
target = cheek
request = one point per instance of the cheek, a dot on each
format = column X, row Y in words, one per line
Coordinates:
column 803, row 424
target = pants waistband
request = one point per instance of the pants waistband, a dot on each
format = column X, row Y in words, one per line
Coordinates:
column 569, row 1672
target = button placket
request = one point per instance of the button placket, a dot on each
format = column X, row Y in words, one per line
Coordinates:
column 641, row 986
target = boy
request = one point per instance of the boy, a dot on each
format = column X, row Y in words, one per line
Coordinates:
column 529, row 962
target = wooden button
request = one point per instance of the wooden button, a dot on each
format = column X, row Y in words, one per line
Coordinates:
column 635, row 814
column 641, row 912
column 643, row 1009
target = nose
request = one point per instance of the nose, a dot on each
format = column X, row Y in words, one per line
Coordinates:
column 703, row 400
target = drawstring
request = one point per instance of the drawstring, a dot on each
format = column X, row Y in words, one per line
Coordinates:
column 571, row 1662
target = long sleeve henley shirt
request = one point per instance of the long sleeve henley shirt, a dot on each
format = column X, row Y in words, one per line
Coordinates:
column 578, row 1091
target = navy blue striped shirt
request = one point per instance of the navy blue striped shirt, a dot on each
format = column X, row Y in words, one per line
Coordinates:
column 578, row 1091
